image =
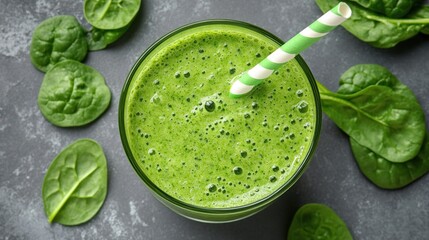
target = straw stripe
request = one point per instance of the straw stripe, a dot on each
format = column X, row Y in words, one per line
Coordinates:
column 266, row 63
column 248, row 80
column 307, row 37
column 310, row 33
column 298, row 44
column 320, row 27
column 331, row 19
column 259, row 72
column 240, row 88
column 280, row 56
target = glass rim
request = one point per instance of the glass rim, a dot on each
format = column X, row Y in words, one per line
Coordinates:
column 261, row 202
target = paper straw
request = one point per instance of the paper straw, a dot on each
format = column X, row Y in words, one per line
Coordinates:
column 322, row 26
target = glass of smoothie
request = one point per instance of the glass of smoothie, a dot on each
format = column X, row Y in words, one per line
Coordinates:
column 205, row 155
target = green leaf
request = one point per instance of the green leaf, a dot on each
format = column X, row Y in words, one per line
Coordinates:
column 377, row 30
column 361, row 76
column 382, row 115
column 110, row 14
column 99, row 39
column 387, row 174
column 75, row 185
column 57, row 39
column 425, row 30
column 317, row 221
column 73, row 94
column 419, row 12
column 390, row 8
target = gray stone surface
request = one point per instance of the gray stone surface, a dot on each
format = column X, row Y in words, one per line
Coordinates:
column 28, row 142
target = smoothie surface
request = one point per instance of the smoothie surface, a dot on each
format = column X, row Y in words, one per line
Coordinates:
column 202, row 147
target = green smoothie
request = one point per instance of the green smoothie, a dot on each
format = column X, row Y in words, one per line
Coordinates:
column 203, row 148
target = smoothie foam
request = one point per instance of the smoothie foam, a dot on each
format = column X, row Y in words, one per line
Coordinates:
column 200, row 146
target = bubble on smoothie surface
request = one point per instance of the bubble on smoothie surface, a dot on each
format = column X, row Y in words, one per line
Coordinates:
column 155, row 98
column 210, row 106
column 151, row 151
column 237, row 170
column 211, row 187
column 275, row 168
column 254, row 105
column 302, row 107
column 273, row 178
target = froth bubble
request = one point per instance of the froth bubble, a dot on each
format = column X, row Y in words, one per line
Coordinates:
column 273, row 178
column 151, row 151
column 237, row 170
column 211, row 187
column 155, row 98
column 254, row 105
column 302, row 107
column 210, row 106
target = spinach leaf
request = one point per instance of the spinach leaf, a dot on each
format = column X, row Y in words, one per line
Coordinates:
column 390, row 8
column 425, row 30
column 419, row 12
column 75, row 185
column 57, row 39
column 110, row 14
column 73, row 94
column 317, row 221
column 99, row 38
column 361, row 76
column 385, row 118
column 387, row 174
column 377, row 30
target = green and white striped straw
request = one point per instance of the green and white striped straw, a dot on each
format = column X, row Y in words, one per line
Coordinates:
column 322, row 26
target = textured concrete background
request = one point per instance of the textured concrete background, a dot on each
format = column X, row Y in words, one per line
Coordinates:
column 28, row 142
